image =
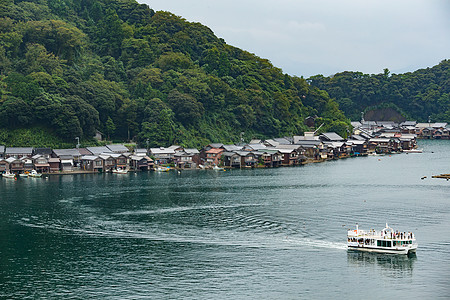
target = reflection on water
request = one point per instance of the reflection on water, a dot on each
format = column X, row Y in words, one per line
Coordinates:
column 392, row 265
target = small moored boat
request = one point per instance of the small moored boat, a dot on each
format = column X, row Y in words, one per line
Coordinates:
column 218, row 168
column 9, row 175
column 120, row 171
column 23, row 175
column 413, row 151
column 34, row 173
column 384, row 241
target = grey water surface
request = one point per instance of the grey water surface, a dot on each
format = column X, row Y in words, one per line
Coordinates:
column 240, row 234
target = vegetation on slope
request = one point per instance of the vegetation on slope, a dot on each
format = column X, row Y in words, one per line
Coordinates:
column 416, row 95
column 75, row 67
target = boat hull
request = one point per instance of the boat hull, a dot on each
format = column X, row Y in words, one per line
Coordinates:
column 413, row 151
column 404, row 251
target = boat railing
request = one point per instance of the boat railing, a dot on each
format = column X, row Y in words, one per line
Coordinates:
column 406, row 236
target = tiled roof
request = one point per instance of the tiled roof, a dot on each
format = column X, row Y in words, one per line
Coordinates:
column 215, row 145
column 255, row 141
column 98, row 150
column 66, row 152
column 19, row 150
column 174, row 147
column 439, row 125
column 84, row 151
column 257, row 146
column 408, row 123
column 356, row 124
column 271, row 142
column 43, row 151
column 283, row 141
column 89, row 157
column 332, row 136
column 231, row 148
column 117, row 148
column 162, row 150
column 215, row 150
column 192, row 151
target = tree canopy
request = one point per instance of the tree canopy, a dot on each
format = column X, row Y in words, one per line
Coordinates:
column 416, row 95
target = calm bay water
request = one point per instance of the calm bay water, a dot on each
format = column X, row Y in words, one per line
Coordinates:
column 239, row 234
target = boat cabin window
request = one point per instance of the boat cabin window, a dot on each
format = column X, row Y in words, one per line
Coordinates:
column 384, row 243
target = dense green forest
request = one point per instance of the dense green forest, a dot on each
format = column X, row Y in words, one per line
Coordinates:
column 69, row 68
column 416, row 95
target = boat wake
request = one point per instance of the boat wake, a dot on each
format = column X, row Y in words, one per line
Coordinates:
column 219, row 238
column 183, row 209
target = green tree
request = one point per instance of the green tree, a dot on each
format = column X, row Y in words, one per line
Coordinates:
column 87, row 115
column 15, row 112
column 39, row 60
column 158, row 126
column 58, row 37
column 110, row 34
column 187, row 110
column 110, row 127
column 175, row 61
column 23, row 87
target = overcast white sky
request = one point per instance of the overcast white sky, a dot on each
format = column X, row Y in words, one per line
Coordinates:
column 306, row 38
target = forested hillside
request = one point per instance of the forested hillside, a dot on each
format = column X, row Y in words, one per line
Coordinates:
column 417, row 95
column 69, row 68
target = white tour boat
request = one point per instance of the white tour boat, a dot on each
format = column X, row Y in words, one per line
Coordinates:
column 384, row 241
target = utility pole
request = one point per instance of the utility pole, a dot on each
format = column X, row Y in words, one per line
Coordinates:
column 78, row 147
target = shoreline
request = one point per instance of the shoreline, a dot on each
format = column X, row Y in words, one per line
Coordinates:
column 307, row 162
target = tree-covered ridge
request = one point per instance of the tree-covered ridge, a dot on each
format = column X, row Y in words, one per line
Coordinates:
column 417, row 95
column 116, row 66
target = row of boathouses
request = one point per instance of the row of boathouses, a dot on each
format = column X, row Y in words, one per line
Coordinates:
column 277, row 152
column 428, row 130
